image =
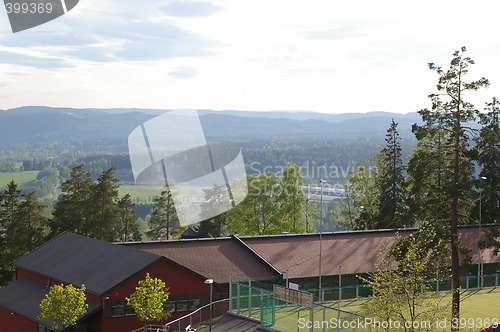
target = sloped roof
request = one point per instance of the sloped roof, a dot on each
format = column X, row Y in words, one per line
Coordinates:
column 211, row 258
column 78, row 260
column 23, row 296
column 356, row 252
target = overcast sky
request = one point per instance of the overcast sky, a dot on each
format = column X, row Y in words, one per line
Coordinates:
column 326, row 56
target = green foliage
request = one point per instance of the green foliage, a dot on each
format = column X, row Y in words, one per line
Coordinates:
column 164, row 222
column 127, row 218
column 390, row 182
column 215, row 200
column 73, row 211
column 63, row 304
column 362, row 205
column 104, row 223
column 274, row 205
column 30, row 227
column 488, row 147
column 403, row 280
column 257, row 214
column 148, row 299
column 292, row 199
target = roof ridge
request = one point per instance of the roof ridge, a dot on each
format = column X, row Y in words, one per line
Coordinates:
column 256, row 254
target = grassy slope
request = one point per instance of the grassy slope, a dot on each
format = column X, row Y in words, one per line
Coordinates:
column 22, row 178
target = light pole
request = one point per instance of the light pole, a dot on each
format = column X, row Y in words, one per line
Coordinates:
column 321, row 182
column 479, row 259
column 211, row 283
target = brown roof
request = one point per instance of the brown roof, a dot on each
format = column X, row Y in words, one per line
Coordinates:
column 263, row 257
column 356, row 252
column 211, row 258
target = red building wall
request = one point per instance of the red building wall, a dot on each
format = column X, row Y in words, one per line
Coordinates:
column 180, row 281
column 11, row 322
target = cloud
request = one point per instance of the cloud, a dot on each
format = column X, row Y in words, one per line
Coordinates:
column 184, row 72
column 333, row 34
column 190, row 9
column 33, row 61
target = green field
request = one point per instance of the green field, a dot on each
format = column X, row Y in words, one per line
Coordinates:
column 477, row 308
column 146, row 193
column 483, row 304
column 24, row 179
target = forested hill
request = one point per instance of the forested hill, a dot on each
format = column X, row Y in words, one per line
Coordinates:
column 108, row 129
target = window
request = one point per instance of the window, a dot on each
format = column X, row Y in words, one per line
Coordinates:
column 183, row 303
column 118, row 309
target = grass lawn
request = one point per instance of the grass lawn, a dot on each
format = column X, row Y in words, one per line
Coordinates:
column 22, row 178
column 478, row 307
column 483, row 303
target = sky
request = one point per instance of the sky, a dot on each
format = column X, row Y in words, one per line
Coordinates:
column 324, row 56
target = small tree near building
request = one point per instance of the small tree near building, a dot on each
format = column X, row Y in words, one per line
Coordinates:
column 149, row 298
column 63, row 304
column 404, row 293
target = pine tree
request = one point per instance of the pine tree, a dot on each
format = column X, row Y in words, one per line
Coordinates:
column 164, row 222
column 73, row 211
column 104, row 199
column 127, row 219
column 449, row 113
column 29, row 229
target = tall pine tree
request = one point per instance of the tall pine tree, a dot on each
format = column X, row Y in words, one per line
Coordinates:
column 449, row 113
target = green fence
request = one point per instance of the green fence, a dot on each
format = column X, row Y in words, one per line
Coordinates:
column 250, row 300
column 256, row 300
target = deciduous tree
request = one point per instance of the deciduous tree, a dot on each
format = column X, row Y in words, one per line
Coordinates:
column 63, row 304
column 149, row 298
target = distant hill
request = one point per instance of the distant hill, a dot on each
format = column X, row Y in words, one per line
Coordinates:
column 38, row 124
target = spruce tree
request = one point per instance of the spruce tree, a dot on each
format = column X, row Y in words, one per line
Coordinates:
column 390, row 182
column 10, row 200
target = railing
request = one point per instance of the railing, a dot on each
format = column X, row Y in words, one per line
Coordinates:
column 192, row 319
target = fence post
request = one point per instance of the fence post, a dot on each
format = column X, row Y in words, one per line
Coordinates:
column 311, row 318
column 249, row 297
column 238, row 298
column 230, row 292
column 466, row 282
